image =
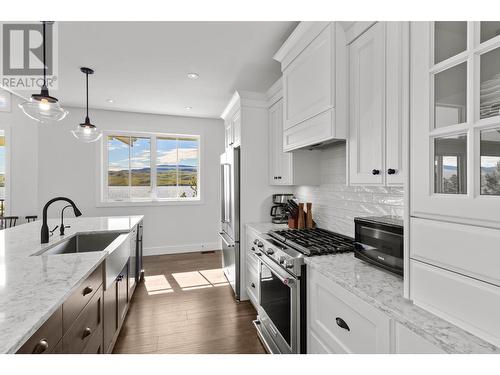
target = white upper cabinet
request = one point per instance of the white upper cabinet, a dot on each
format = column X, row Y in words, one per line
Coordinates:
column 232, row 122
column 300, row 167
column 366, row 107
column 310, row 60
column 378, row 104
column 455, row 149
column 280, row 163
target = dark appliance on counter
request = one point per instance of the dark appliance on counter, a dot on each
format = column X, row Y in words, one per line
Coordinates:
column 278, row 210
column 379, row 241
column 281, row 319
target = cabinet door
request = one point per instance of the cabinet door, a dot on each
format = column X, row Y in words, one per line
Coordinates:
column 280, row 163
column 408, row 342
column 110, row 316
column 397, row 99
column 455, row 143
column 122, row 294
column 366, row 107
column 308, row 81
column 228, row 133
column 236, row 129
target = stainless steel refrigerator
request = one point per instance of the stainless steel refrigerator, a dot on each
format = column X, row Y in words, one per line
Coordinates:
column 230, row 217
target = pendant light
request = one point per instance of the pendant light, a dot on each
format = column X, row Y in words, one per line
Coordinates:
column 87, row 132
column 43, row 107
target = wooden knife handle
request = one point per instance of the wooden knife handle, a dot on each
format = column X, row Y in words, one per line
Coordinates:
column 301, row 223
column 309, row 217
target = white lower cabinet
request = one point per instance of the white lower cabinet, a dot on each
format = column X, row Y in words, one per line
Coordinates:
column 340, row 322
column 252, row 283
column 408, row 342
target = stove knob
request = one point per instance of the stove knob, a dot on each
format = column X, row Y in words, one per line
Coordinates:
column 270, row 251
column 255, row 242
column 289, row 264
column 260, row 244
column 281, row 259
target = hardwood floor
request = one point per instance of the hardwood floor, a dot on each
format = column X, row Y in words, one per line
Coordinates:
column 184, row 308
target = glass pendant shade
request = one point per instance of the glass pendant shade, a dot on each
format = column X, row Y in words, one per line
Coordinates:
column 43, row 108
column 87, row 132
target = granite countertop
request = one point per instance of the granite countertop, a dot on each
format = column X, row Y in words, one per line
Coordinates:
column 33, row 287
column 384, row 291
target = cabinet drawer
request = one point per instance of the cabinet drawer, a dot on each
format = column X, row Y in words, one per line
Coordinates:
column 314, row 130
column 95, row 344
column 45, row 340
column 466, row 249
column 80, row 297
column 252, row 259
column 85, row 326
column 252, row 281
column 463, row 301
column 316, row 346
column 408, row 342
column 343, row 321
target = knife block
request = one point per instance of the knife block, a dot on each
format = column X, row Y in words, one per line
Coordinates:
column 293, row 223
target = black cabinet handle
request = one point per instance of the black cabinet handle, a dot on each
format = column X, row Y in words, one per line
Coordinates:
column 119, row 278
column 41, row 346
column 391, row 171
column 342, row 324
column 86, row 332
column 253, row 285
column 375, row 172
column 279, row 177
column 87, row 290
column 258, row 254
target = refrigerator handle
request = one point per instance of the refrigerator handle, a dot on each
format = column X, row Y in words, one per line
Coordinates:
column 223, row 236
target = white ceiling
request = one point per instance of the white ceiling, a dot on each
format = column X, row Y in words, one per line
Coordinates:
column 142, row 66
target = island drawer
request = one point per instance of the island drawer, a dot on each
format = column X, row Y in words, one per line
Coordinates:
column 86, row 325
column 80, row 297
column 44, row 341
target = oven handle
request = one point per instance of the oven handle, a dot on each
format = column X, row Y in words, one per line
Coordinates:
column 223, row 236
column 284, row 276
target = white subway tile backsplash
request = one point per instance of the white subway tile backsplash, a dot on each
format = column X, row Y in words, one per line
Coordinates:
column 335, row 205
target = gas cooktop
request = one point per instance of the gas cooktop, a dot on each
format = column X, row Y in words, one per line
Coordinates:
column 314, row 241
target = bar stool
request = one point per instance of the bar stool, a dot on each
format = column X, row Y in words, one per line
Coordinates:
column 31, row 218
column 8, row 221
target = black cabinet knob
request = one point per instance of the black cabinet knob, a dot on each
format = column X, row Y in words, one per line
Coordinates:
column 391, row 171
column 342, row 324
column 41, row 346
column 87, row 290
column 253, row 285
column 375, row 172
column 86, row 332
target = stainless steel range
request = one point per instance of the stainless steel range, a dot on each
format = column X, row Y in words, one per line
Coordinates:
column 282, row 304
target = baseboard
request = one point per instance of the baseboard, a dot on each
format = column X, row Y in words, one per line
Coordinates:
column 176, row 249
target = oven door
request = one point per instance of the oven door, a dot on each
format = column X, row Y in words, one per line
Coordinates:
column 278, row 309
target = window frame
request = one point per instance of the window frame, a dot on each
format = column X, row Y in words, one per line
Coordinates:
column 102, row 193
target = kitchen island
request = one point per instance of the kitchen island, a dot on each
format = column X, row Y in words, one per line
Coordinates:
column 33, row 287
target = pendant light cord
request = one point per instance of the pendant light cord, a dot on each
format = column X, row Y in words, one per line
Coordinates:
column 87, row 78
column 44, row 63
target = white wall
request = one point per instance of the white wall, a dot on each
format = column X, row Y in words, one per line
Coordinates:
column 23, row 197
column 335, row 205
column 68, row 167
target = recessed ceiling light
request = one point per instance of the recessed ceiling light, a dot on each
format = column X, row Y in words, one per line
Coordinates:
column 110, row 101
column 193, row 75
column 188, row 108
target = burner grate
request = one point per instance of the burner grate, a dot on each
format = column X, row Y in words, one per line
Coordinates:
column 314, row 241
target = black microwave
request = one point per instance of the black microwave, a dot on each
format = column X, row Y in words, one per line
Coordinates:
column 379, row 241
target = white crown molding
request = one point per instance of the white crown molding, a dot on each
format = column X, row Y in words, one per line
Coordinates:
column 275, row 92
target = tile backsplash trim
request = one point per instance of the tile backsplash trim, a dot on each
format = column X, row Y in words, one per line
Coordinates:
column 335, row 205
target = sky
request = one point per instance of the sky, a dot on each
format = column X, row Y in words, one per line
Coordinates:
column 140, row 153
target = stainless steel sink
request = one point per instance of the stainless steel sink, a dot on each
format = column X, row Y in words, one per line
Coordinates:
column 82, row 243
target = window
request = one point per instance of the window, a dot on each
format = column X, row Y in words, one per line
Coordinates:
column 151, row 167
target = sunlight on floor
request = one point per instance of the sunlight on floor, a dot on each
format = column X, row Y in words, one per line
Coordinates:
column 200, row 279
column 157, row 284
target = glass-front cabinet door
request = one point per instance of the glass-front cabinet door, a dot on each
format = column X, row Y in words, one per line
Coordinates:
column 455, row 122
